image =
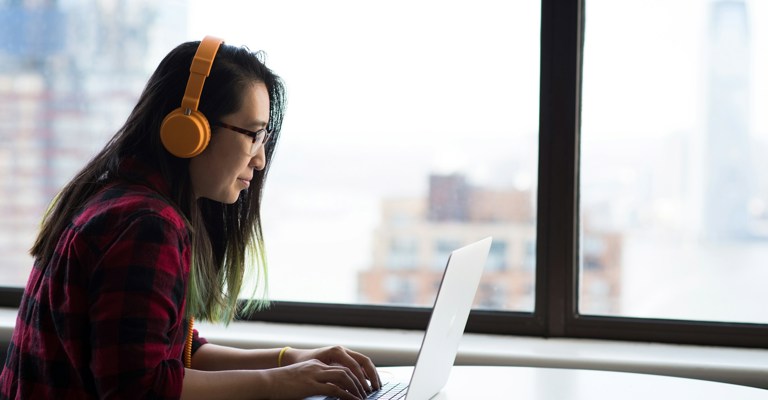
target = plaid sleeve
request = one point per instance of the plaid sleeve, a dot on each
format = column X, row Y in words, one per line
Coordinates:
column 197, row 341
column 136, row 295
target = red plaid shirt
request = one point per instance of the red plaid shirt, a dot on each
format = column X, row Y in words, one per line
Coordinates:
column 105, row 317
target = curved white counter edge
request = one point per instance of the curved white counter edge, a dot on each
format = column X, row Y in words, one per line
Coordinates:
column 399, row 347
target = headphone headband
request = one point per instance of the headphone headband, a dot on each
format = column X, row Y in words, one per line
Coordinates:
column 199, row 70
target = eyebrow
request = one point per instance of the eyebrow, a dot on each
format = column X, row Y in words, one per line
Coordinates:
column 258, row 123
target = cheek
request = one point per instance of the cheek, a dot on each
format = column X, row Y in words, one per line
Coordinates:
column 206, row 173
column 220, row 164
column 227, row 154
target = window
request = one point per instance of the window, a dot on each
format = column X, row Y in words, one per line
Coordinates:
column 673, row 186
column 400, row 290
column 390, row 144
column 392, row 140
column 403, row 253
column 442, row 250
column 497, row 256
column 417, row 126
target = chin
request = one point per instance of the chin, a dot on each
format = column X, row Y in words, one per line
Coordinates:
column 224, row 198
column 231, row 199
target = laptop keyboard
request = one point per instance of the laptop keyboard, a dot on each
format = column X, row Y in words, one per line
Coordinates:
column 388, row 391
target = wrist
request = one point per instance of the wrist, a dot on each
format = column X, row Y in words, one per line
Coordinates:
column 282, row 357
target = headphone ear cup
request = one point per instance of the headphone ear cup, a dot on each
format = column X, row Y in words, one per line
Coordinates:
column 185, row 136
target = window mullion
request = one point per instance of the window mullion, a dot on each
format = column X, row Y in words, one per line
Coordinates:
column 561, row 38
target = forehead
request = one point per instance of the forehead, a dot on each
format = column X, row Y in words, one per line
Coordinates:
column 254, row 107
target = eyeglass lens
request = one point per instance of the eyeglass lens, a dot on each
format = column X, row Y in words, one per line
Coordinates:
column 259, row 140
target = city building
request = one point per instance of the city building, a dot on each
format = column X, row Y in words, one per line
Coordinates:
column 729, row 181
column 66, row 85
column 412, row 244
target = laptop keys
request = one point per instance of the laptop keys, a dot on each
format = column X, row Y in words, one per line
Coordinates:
column 388, row 391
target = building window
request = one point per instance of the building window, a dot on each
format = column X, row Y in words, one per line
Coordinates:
column 403, row 253
column 443, row 249
column 400, row 290
column 497, row 256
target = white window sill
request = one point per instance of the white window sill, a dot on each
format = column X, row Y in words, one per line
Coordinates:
column 399, row 347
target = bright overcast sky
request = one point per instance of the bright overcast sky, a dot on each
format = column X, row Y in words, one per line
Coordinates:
column 395, row 55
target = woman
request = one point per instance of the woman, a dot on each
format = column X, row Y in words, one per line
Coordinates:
column 155, row 231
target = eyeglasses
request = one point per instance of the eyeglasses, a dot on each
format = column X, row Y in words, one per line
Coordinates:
column 259, row 137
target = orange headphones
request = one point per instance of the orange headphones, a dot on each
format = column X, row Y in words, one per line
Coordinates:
column 185, row 132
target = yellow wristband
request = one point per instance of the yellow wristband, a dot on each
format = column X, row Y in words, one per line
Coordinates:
column 280, row 356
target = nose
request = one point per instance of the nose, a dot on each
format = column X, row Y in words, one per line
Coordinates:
column 259, row 161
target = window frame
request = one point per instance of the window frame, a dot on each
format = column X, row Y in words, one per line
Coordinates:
column 557, row 272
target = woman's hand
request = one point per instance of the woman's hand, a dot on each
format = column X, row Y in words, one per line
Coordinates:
column 314, row 377
column 360, row 366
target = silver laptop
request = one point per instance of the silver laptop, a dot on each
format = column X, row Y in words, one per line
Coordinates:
column 446, row 326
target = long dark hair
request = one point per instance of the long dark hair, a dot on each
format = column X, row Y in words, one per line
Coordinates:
column 222, row 234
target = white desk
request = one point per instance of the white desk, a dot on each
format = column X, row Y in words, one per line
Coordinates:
column 523, row 383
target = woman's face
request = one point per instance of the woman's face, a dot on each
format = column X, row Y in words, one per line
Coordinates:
column 225, row 167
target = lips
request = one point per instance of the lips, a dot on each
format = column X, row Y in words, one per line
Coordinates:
column 246, row 182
